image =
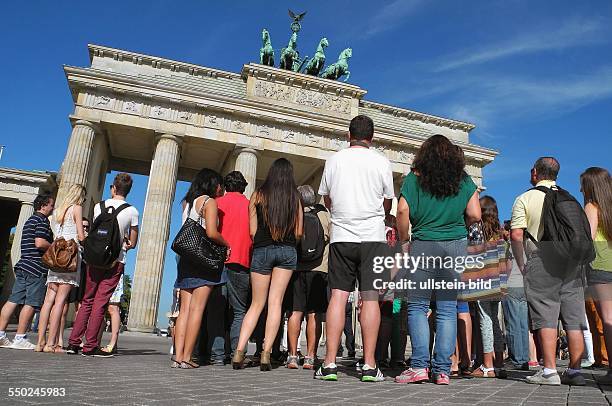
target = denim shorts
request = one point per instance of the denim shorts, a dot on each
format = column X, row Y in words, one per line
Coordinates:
column 273, row 256
column 462, row 307
column 596, row 276
column 191, row 276
column 28, row 289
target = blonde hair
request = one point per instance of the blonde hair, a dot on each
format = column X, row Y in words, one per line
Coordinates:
column 74, row 196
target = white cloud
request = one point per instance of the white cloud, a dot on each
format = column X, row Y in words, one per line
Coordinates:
column 572, row 33
column 391, row 15
column 495, row 98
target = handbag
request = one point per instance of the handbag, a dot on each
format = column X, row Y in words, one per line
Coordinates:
column 62, row 255
column 192, row 244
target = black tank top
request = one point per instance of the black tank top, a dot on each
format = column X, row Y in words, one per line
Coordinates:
column 263, row 237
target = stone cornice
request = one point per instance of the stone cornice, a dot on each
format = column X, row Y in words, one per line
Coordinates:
column 84, row 79
column 100, row 83
column 423, row 117
column 296, row 79
column 156, row 62
column 276, row 75
column 20, row 175
column 473, row 152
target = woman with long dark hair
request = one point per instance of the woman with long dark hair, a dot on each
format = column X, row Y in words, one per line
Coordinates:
column 276, row 219
column 437, row 199
column 596, row 186
column 196, row 284
column 495, row 257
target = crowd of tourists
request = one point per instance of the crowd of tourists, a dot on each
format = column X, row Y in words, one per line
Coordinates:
column 475, row 295
column 54, row 271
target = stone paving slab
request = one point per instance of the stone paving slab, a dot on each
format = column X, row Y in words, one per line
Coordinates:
column 140, row 375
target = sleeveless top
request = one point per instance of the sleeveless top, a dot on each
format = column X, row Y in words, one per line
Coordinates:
column 263, row 237
column 603, row 252
column 193, row 214
column 67, row 230
column 190, row 276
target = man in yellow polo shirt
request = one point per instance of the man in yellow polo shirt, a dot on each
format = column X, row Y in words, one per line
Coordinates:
column 553, row 289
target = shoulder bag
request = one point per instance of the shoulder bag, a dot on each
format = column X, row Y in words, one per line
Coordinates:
column 62, row 255
column 192, row 244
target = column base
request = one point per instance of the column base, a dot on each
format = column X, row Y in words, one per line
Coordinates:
column 141, row 329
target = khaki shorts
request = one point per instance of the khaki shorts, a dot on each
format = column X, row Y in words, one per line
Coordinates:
column 554, row 292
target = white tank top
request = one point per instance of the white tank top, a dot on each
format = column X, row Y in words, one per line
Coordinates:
column 67, row 230
column 193, row 214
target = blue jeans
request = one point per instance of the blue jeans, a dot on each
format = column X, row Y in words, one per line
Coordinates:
column 517, row 325
column 419, row 301
column 238, row 290
column 490, row 330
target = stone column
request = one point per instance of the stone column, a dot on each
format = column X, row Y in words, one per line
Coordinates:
column 246, row 163
column 27, row 209
column 154, row 231
column 5, row 232
column 75, row 168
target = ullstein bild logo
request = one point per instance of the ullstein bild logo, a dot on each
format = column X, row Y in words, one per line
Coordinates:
column 430, row 284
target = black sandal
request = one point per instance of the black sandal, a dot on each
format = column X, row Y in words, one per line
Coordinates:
column 188, row 365
column 174, row 363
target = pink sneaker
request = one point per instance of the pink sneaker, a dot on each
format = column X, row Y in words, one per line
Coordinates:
column 413, row 376
column 442, row 379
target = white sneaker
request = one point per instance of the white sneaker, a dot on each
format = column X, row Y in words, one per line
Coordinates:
column 540, row 379
column 22, row 344
column 5, row 342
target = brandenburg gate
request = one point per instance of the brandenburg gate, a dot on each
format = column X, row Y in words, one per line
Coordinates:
column 168, row 119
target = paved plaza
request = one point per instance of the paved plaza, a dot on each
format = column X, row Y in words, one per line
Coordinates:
column 140, row 375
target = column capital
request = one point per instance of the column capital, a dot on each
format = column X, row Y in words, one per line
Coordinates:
column 238, row 150
column 94, row 126
column 27, row 203
column 166, row 136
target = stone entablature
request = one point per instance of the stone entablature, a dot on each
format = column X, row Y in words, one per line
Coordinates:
column 310, row 110
column 24, row 185
column 304, row 92
column 279, row 106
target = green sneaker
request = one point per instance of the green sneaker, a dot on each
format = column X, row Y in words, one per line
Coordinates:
column 369, row 374
column 327, row 373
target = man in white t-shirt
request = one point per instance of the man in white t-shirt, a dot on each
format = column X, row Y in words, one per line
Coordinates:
column 357, row 186
column 101, row 283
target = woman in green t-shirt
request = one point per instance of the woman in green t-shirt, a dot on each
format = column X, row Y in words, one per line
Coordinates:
column 437, row 200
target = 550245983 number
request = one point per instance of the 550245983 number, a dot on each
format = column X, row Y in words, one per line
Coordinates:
column 36, row 392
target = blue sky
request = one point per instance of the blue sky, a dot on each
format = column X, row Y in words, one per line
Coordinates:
column 535, row 77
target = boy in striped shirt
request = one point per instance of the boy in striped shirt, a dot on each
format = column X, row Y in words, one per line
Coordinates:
column 30, row 274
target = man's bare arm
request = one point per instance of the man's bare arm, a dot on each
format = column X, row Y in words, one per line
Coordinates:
column 41, row 244
column 516, row 237
column 133, row 240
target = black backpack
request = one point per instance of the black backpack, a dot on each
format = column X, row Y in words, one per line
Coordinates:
column 104, row 242
column 567, row 234
column 312, row 244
